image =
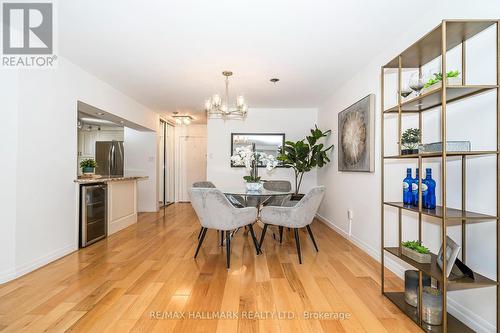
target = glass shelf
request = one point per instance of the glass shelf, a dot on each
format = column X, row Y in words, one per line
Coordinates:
column 451, row 213
column 448, row 153
column 435, row 271
column 433, row 99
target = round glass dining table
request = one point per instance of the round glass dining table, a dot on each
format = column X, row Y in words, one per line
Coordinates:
column 251, row 198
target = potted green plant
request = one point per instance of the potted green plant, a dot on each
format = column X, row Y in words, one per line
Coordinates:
column 88, row 166
column 437, row 78
column 409, row 141
column 416, row 251
column 304, row 155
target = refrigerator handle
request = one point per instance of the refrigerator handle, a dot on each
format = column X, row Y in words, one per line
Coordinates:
column 112, row 161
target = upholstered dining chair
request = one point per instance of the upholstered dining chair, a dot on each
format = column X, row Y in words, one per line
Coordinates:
column 299, row 216
column 216, row 212
column 277, row 185
column 205, row 184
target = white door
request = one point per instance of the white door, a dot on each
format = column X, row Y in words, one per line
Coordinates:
column 192, row 163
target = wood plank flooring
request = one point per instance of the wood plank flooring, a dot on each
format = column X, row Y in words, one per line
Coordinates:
column 144, row 279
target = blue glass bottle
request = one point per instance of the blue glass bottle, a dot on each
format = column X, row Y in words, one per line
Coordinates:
column 407, row 187
column 414, row 190
column 430, row 195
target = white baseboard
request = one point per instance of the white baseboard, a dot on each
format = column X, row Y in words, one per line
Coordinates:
column 465, row 315
column 18, row 271
column 122, row 223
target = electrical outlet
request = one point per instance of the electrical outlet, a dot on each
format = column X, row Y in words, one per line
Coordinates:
column 350, row 214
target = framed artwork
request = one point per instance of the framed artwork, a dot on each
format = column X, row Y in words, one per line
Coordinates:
column 452, row 250
column 268, row 143
column 356, row 130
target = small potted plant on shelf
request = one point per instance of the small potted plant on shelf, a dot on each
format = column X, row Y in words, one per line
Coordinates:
column 303, row 156
column 436, row 80
column 88, row 166
column 409, row 141
column 251, row 159
column 416, row 251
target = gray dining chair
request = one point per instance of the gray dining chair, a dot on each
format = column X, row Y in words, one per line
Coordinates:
column 205, row 184
column 299, row 216
column 280, row 186
column 216, row 212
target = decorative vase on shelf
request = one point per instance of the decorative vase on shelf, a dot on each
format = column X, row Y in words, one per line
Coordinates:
column 414, row 190
column 428, row 190
column 432, row 306
column 88, row 170
column 407, row 187
column 411, row 286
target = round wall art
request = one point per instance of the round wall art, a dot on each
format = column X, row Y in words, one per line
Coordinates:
column 356, row 136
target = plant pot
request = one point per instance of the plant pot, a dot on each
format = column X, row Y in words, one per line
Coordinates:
column 254, row 187
column 407, row 151
column 88, row 170
column 451, row 81
column 296, row 196
column 414, row 255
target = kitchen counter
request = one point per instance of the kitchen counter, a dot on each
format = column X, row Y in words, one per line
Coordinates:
column 122, row 194
column 107, row 179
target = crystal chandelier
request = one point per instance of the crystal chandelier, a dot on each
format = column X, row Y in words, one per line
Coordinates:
column 218, row 108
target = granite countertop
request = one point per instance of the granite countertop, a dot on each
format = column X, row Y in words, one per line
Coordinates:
column 107, row 179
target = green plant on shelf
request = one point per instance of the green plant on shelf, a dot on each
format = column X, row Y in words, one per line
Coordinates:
column 438, row 77
column 410, row 138
column 416, row 246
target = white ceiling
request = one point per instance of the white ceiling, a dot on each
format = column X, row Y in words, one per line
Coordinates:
column 169, row 55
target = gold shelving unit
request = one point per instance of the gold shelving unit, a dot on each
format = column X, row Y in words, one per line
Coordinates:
column 447, row 35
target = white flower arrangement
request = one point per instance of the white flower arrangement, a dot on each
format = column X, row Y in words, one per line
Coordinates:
column 251, row 159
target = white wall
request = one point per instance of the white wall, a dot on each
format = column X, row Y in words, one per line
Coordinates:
column 361, row 191
column 295, row 123
column 8, row 129
column 140, row 149
column 44, row 194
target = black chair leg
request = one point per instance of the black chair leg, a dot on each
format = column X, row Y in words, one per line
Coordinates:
column 281, row 233
column 254, row 238
column 312, row 237
column 200, row 241
column 262, row 236
column 221, row 237
column 199, row 234
column 297, row 242
column 228, row 248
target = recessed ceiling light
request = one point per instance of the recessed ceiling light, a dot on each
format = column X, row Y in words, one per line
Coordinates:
column 274, row 80
column 121, row 121
column 100, row 113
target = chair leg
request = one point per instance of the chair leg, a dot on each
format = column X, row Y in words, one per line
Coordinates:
column 228, row 248
column 312, row 237
column 262, row 236
column 254, row 238
column 297, row 242
column 199, row 234
column 221, row 237
column 200, row 241
column 281, row 233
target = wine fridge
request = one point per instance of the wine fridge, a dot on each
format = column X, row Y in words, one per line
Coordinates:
column 93, row 213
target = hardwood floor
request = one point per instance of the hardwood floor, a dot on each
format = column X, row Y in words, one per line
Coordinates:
column 144, row 279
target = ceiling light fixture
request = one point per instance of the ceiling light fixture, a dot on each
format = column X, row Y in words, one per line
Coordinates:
column 182, row 120
column 274, row 80
column 218, row 108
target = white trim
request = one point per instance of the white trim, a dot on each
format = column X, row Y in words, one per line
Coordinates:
column 12, row 274
column 465, row 315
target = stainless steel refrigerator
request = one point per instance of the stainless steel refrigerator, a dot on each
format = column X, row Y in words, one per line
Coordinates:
column 109, row 158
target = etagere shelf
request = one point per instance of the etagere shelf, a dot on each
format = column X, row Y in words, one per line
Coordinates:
column 446, row 36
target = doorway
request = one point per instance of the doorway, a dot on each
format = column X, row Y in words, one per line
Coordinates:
column 192, row 163
column 166, row 161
